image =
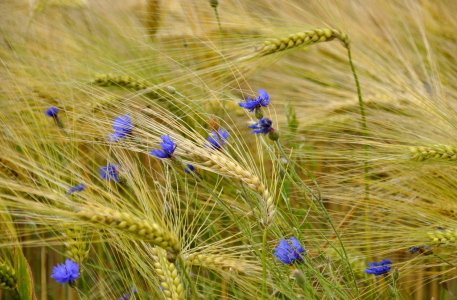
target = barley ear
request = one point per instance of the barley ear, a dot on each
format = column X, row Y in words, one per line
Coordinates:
column 170, row 281
column 143, row 229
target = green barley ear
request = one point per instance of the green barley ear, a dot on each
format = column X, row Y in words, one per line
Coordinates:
column 216, row 262
column 170, row 281
column 443, row 236
column 120, row 80
column 434, row 152
column 76, row 246
column 8, row 277
column 143, row 229
column 291, row 115
column 302, row 38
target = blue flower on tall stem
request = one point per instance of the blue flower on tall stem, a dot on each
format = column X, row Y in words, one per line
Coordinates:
column 217, row 138
column 262, row 100
column 79, row 188
column 66, row 273
column 52, row 112
column 263, row 126
column 122, row 126
column 110, row 172
column 289, row 251
column 378, row 268
column 168, row 148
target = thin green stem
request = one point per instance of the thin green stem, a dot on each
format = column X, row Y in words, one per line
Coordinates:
column 264, row 263
column 364, row 123
column 193, row 288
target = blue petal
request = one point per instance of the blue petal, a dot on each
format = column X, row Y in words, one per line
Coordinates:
column 52, row 111
column 159, row 153
column 296, row 244
column 250, row 105
column 264, row 98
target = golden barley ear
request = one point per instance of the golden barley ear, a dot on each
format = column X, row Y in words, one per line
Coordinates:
column 143, row 229
column 230, row 168
column 170, row 281
column 302, row 38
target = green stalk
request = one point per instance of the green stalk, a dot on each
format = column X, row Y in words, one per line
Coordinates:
column 364, row 123
column 264, row 263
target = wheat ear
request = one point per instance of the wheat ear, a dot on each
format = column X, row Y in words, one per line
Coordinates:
column 222, row 164
column 170, row 280
column 443, row 236
column 141, row 228
column 303, row 38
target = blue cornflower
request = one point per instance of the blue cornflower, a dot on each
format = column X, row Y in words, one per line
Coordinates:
column 263, row 126
column 110, row 172
column 67, row 272
column 262, row 100
column 77, row 188
column 378, row 268
column 217, row 139
column 122, row 126
column 289, row 254
column 52, row 112
column 189, row 169
column 168, row 147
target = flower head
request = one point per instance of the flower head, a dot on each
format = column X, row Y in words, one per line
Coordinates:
column 122, row 126
column 67, row 272
column 263, row 126
column 110, row 172
column 52, row 111
column 168, row 147
column 217, row 139
column 262, row 100
column 77, row 188
column 289, row 251
column 378, row 268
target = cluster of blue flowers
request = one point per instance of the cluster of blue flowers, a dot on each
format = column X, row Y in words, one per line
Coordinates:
column 264, row 125
column 289, row 251
column 66, row 273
